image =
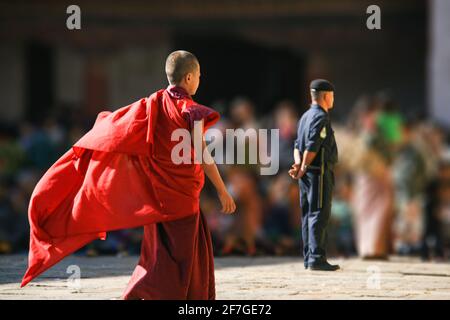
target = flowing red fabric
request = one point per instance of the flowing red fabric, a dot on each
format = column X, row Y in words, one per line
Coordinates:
column 119, row 175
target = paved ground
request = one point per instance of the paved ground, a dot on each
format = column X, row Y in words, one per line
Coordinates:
column 242, row 278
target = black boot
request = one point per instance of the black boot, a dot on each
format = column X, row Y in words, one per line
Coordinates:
column 323, row 266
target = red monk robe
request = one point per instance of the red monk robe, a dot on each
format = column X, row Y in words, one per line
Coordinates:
column 120, row 175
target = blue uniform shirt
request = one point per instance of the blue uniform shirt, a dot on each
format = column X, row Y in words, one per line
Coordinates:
column 313, row 132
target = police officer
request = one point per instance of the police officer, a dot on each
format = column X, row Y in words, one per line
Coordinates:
column 315, row 153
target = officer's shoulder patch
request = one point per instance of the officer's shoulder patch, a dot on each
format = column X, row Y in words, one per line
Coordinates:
column 323, row 133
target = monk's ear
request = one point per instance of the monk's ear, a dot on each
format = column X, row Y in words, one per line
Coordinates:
column 188, row 76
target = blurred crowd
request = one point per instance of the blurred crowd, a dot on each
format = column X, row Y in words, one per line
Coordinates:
column 392, row 191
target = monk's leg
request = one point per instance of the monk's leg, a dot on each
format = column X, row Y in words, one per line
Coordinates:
column 202, row 283
column 176, row 262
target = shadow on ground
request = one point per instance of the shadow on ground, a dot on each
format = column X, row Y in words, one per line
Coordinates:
column 13, row 267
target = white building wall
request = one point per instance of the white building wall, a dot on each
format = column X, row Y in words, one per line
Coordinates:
column 439, row 61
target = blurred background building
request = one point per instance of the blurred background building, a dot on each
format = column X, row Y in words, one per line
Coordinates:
column 391, row 115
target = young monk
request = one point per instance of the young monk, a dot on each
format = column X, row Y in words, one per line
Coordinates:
column 122, row 174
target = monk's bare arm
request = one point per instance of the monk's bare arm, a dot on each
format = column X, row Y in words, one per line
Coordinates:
column 211, row 171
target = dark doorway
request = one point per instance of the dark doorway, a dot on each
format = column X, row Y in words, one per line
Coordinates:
column 39, row 81
column 234, row 67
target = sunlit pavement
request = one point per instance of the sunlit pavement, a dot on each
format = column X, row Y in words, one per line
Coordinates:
column 239, row 278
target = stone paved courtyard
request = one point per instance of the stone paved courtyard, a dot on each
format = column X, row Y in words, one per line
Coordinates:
column 242, row 278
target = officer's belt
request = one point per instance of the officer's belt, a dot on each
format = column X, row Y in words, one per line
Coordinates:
column 328, row 165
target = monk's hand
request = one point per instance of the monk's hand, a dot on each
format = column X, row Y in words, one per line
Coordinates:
column 228, row 205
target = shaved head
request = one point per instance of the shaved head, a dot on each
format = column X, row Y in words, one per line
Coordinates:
column 178, row 64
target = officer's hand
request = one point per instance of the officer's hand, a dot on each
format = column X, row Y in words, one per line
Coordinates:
column 296, row 172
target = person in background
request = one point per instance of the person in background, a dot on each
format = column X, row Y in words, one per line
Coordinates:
column 279, row 227
column 437, row 193
column 373, row 191
column 285, row 116
column 409, row 173
column 389, row 123
column 247, row 223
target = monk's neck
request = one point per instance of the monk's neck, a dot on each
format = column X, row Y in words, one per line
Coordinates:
column 178, row 92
